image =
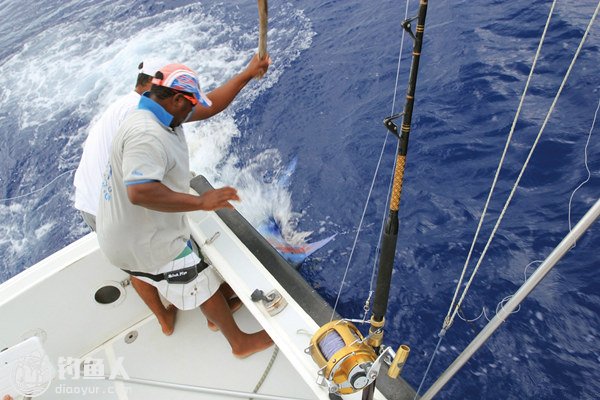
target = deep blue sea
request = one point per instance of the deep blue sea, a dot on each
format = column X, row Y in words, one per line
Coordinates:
column 302, row 146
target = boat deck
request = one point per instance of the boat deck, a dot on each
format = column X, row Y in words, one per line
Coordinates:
column 55, row 300
column 195, row 357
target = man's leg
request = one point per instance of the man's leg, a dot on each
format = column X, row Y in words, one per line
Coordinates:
column 233, row 302
column 227, row 290
column 148, row 293
column 242, row 344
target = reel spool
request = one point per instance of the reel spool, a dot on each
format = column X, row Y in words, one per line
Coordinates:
column 347, row 363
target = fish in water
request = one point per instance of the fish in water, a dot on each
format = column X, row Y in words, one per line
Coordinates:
column 295, row 254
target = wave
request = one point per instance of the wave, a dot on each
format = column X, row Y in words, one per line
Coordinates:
column 59, row 78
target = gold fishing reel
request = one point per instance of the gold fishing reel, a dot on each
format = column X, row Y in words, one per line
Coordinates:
column 347, row 364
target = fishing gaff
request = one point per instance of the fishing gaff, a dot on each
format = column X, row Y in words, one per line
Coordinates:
column 263, row 18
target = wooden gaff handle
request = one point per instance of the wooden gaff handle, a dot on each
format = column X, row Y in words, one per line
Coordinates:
column 263, row 17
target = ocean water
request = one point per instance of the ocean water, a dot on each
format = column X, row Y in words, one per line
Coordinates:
column 302, row 146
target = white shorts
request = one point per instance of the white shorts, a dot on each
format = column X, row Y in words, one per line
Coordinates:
column 189, row 295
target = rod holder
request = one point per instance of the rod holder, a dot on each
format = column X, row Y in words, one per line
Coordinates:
column 398, row 362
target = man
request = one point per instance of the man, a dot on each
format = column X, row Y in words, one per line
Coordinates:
column 88, row 176
column 142, row 226
column 96, row 149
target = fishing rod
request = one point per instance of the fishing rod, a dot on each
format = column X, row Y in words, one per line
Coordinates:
column 390, row 232
column 347, row 361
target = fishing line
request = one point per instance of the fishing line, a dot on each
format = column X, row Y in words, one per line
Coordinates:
column 461, row 315
column 506, row 299
column 357, row 234
column 448, row 320
column 371, row 188
column 38, row 190
column 526, row 163
column 585, row 161
column 501, row 303
column 429, row 366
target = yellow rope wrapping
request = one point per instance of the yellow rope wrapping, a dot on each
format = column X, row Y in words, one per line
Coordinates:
column 397, row 186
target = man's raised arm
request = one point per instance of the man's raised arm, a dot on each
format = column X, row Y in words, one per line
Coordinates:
column 222, row 96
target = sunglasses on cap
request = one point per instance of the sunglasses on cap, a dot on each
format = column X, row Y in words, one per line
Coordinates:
column 189, row 96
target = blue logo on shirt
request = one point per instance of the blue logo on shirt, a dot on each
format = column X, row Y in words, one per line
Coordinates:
column 106, row 184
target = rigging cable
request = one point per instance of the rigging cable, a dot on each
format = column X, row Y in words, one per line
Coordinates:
column 502, row 302
column 526, row 163
column 448, row 320
column 371, row 188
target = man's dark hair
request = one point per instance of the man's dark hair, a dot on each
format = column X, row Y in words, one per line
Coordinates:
column 143, row 79
column 162, row 92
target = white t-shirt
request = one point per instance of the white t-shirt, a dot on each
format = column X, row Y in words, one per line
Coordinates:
column 133, row 237
column 96, row 152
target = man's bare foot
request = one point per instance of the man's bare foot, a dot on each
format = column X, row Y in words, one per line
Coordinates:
column 234, row 305
column 253, row 343
column 168, row 325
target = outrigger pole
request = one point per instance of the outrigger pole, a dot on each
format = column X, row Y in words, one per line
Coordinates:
column 390, row 233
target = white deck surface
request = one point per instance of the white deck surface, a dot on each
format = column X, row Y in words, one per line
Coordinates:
column 55, row 300
column 193, row 356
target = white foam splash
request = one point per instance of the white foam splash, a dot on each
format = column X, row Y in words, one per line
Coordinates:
column 71, row 71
